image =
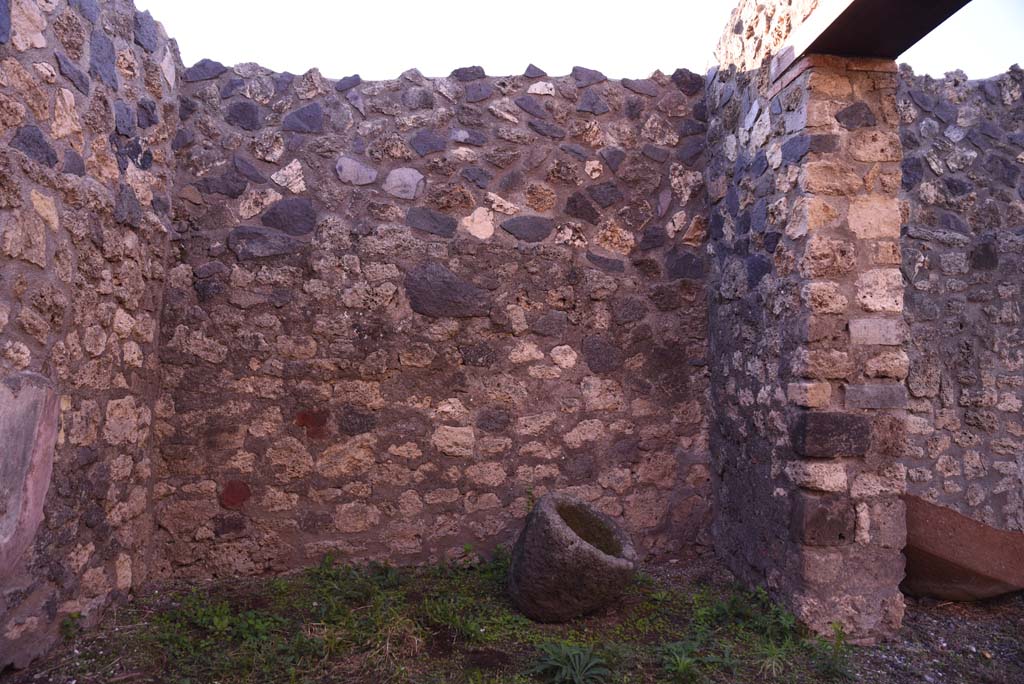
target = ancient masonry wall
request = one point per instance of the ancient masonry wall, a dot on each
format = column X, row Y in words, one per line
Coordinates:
column 87, row 112
column 963, row 204
column 403, row 310
column 806, row 334
column 266, row 316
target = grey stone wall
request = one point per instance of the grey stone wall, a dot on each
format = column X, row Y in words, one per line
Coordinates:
column 963, row 240
column 400, row 311
column 87, row 112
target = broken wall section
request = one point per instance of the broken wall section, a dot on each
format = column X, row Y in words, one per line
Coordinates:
column 87, row 110
column 403, row 310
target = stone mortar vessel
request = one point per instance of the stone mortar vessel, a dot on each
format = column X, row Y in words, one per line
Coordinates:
column 570, row 560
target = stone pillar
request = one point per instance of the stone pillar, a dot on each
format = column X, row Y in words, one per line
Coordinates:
column 848, row 376
column 808, row 339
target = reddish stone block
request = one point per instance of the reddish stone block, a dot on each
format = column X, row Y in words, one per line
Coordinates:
column 234, row 494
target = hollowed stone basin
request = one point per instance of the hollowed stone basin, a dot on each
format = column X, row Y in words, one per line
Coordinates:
column 570, row 560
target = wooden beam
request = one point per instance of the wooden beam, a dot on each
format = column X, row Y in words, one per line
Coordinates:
column 864, row 28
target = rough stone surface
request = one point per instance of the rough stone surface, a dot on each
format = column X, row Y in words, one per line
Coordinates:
column 570, row 560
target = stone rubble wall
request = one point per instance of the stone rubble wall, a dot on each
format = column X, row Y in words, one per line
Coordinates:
column 88, row 108
column 403, row 310
column 280, row 315
column 963, row 208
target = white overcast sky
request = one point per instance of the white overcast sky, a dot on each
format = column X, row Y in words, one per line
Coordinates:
column 379, row 39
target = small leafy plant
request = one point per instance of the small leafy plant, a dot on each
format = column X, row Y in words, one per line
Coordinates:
column 831, row 657
column 565, row 664
column 679, row 663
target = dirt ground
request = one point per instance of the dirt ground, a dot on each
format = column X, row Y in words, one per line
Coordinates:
column 681, row 623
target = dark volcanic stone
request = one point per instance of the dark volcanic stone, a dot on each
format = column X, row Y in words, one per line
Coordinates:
column 690, row 150
column 31, row 141
column 551, row 324
column 5, row 21
column 605, row 194
column 430, row 221
column 147, row 35
column 308, row 119
column 89, row 9
column 601, row 354
column 294, row 215
column 1002, row 169
column 570, row 560
column 688, row 127
column 478, row 177
column 534, row 72
column 203, row 70
column 71, row 72
column 245, row 115
column 857, row 115
column 254, row 242
column 531, row 106
column 418, row 98
column 146, row 114
column 575, row 150
column 182, row 139
column 124, row 119
column 578, row 206
column 480, row 355
column 232, row 88
column 427, row 142
column 606, row 263
column 493, row 419
column 688, row 82
column 529, row 228
column 348, row 83
column 102, row 58
column 758, row 266
column 985, row 256
column 830, row 434
column 658, row 154
column 913, row 172
column 923, row 100
column 355, row 98
column 683, row 264
column 187, row 107
column 230, row 184
column 435, row 291
column 479, row 91
column 469, row 137
column 641, row 87
column 548, row 130
column 247, row 170
column 591, row 102
column 653, row 238
column 586, row 77
column 352, row 421
column 73, row 163
column 472, row 73
column 127, row 209
column 613, row 157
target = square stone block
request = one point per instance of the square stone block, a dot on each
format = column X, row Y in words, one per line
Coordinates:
column 888, row 396
column 830, row 434
column 823, row 520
